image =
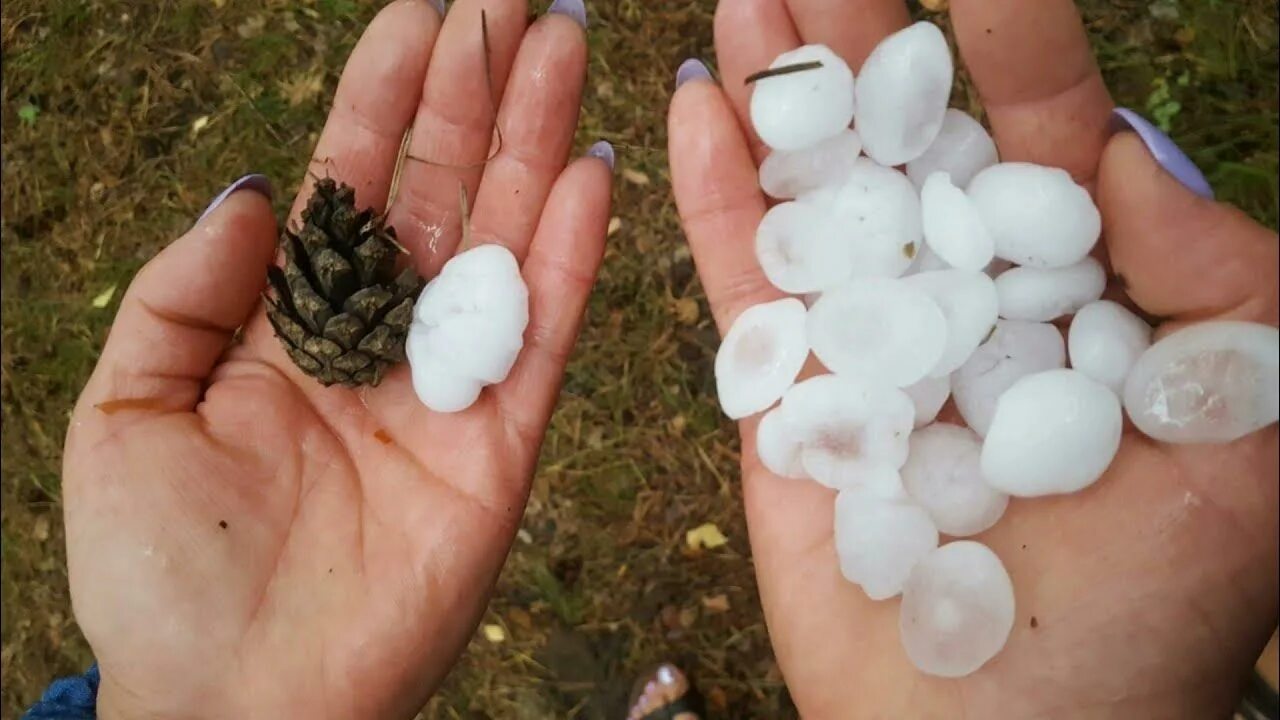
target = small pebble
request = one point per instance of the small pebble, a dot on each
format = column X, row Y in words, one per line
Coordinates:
column 1105, row 340
column 801, row 109
column 1016, row 349
column 962, row 149
column 943, row 474
column 1037, row 216
column 902, row 94
column 968, row 302
column 1044, row 294
column 786, row 174
column 761, row 356
column 880, row 540
column 952, row 227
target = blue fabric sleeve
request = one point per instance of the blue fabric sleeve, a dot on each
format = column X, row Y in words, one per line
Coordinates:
column 71, row 698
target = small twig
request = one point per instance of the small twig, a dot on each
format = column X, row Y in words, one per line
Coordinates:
column 466, row 214
column 782, row 70
column 394, row 190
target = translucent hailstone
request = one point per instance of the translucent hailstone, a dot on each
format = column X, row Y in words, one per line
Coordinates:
column 468, row 327
column 1043, row 294
column 943, row 474
column 798, row 249
column 879, row 540
column 969, row 304
column 882, row 329
column 1212, row 382
column 849, row 430
column 778, row 446
column 902, row 94
column 957, row 609
column 1053, row 432
column 760, row 356
column 787, row 174
column 1016, row 349
column 952, row 227
column 800, row 109
column 928, row 396
column 1037, row 215
column 963, row 148
column 1105, row 340
column 877, row 211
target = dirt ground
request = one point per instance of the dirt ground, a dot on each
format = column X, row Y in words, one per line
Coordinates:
column 122, row 118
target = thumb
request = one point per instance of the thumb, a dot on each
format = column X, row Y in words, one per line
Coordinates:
column 1180, row 254
column 184, row 305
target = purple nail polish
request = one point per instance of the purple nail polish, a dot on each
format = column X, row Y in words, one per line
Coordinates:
column 257, row 183
column 691, row 69
column 604, row 151
column 1165, row 151
column 573, row 8
column 439, row 6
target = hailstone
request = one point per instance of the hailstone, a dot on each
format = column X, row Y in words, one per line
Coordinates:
column 902, row 94
column 928, row 396
column 952, row 227
column 880, row 540
column 787, row 174
column 1015, row 349
column 962, row 149
column 800, row 109
column 761, row 356
column 778, row 446
column 1043, row 294
column 943, row 474
column 1036, row 215
column 798, row 249
column 968, row 302
column 1105, row 340
column 877, row 211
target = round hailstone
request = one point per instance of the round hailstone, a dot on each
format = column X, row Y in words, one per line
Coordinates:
column 760, row 356
column 957, row 610
column 1043, row 294
column 1037, row 215
column 952, row 227
column 800, row 109
column 963, row 148
column 928, row 396
column 944, row 475
column 1016, row 349
column 798, row 250
column 778, row 447
column 1105, row 341
column 883, row 329
column 849, row 430
column 435, row 381
column 1054, row 432
column 902, row 94
column 1213, row 382
column 879, row 540
column 877, row 211
column 787, row 174
column 968, row 302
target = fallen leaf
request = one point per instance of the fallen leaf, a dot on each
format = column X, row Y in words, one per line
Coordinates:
column 103, row 298
column 201, row 123
column 705, row 536
column 521, row 617
column 615, row 224
column 494, row 633
column 635, row 176
column 687, row 311
column 716, row 603
column 40, row 531
column 688, row 616
column 303, row 87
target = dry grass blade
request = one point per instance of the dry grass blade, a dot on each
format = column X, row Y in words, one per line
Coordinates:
column 782, row 70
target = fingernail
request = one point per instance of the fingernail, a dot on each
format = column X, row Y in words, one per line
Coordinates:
column 604, row 151
column 691, row 69
column 1165, row 151
column 438, row 5
column 257, row 183
column 573, row 8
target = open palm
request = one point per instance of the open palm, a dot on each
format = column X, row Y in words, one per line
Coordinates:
column 1150, row 594
column 245, row 543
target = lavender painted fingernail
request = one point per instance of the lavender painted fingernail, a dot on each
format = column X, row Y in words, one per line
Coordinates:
column 604, row 151
column 257, row 183
column 438, row 5
column 691, row 69
column 573, row 8
column 1165, row 151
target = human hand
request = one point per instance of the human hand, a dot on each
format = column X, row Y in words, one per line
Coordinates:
column 1153, row 591
column 245, row 543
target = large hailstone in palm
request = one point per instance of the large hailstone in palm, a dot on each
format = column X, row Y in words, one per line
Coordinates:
column 800, row 109
column 1015, row 350
column 943, row 474
column 760, row 356
column 1037, row 215
column 880, row 538
column 962, row 149
column 902, row 94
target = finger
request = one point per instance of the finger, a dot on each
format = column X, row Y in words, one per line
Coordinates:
column 374, row 104
column 851, row 28
column 561, row 268
column 184, row 305
column 453, row 128
column 749, row 34
column 1038, row 80
column 538, row 117
column 720, row 204
column 1182, row 255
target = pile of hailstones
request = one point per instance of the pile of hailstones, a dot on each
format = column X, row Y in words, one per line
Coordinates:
column 945, row 282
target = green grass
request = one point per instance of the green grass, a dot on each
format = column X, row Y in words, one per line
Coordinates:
column 102, row 167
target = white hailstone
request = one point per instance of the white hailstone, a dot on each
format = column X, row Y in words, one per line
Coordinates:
column 902, row 94
column 879, row 540
column 969, row 304
column 760, row 356
column 778, row 446
column 883, row 329
column 787, row 174
column 1044, row 294
column 957, row 610
column 925, row 260
column 943, row 474
column 952, row 226
column 798, row 249
column 1037, row 215
column 1213, row 382
column 876, row 211
column 800, row 109
column 848, row 429
column 963, row 148
column 1105, row 340
column 928, row 396
column 1016, row 349
column 468, row 327
column 1054, row 432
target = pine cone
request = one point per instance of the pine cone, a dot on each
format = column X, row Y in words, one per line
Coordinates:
column 339, row 308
